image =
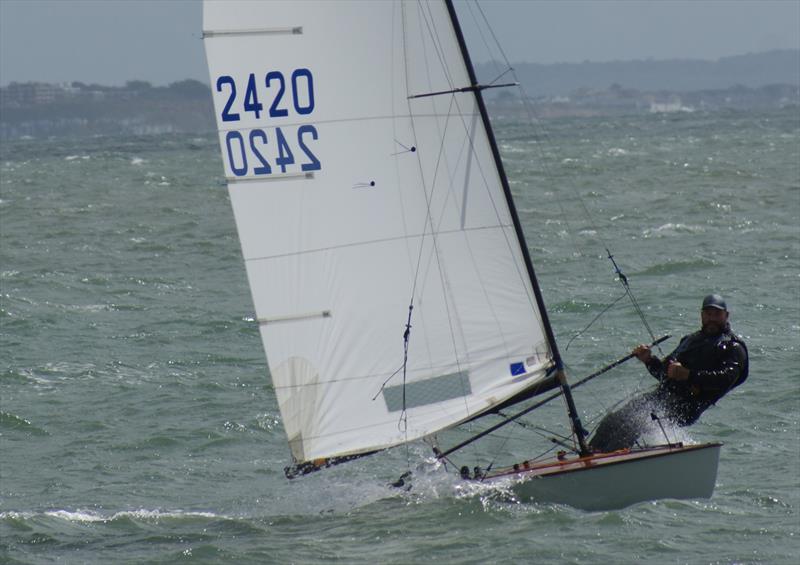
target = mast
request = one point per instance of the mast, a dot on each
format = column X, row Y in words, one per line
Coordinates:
column 561, row 377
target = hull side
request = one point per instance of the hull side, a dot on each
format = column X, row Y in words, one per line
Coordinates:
column 613, row 481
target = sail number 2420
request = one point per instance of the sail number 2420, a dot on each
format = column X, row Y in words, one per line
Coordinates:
column 276, row 149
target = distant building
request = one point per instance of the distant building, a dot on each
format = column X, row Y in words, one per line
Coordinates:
column 30, row 94
column 674, row 104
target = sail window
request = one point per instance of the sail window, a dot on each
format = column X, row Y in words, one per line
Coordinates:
column 428, row 391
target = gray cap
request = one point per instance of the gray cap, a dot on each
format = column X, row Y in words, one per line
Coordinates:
column 714, row 301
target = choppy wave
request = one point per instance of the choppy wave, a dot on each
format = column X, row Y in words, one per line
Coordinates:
column 12, row 422
column 674, row 267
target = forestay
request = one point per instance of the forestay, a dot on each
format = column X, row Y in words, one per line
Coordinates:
column 353, row 201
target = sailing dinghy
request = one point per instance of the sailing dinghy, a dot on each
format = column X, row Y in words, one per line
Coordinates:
column 392, row 284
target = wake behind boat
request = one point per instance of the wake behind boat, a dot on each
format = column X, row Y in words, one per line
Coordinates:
column 392, row 284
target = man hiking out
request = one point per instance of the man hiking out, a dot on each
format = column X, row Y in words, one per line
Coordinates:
column 704, row 367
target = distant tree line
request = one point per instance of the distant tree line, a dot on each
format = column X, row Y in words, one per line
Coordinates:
column 77, row 108
column 751, row 70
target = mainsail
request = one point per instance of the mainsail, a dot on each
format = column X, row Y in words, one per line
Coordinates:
column 370, row 205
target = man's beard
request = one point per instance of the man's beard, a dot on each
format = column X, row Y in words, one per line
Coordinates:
column 713, row 328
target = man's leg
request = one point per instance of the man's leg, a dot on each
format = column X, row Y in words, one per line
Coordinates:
column 621, row 429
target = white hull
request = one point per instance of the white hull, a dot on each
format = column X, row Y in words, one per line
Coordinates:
column 609, row 481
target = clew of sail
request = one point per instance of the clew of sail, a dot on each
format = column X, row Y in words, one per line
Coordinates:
column 356, row 198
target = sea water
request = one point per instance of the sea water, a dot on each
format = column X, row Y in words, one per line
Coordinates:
column 138, row 423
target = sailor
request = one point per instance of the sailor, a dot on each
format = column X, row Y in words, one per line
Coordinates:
column 704, row 367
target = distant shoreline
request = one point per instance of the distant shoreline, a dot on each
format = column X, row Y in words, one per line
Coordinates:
column 757, row 81
column 753, row 69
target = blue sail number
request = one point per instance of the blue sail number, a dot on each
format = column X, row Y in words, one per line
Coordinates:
column 226, row 111
column 264, row 169
column 309, row 91
column 274, row 111
column 255, row 151
column 240, row 154
column 302, row 87
column 251, row 103
column 235, row 136
column 313, row 164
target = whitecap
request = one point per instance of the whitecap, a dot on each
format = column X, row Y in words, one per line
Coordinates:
column 14, row 515
column 670, row 228
column 141, row 514
column 75, row 516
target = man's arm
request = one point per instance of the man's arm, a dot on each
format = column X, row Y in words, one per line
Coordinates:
column 655, row 366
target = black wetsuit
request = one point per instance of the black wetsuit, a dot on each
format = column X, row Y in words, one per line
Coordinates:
column 716, row 363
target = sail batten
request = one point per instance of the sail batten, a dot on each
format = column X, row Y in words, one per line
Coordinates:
column 295, row 317
column 296, row 30
column 296, row 176
column 407, row 204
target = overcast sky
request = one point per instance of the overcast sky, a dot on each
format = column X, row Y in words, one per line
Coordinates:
column 113, row 41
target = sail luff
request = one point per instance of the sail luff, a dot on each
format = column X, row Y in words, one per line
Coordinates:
column 506, row 187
